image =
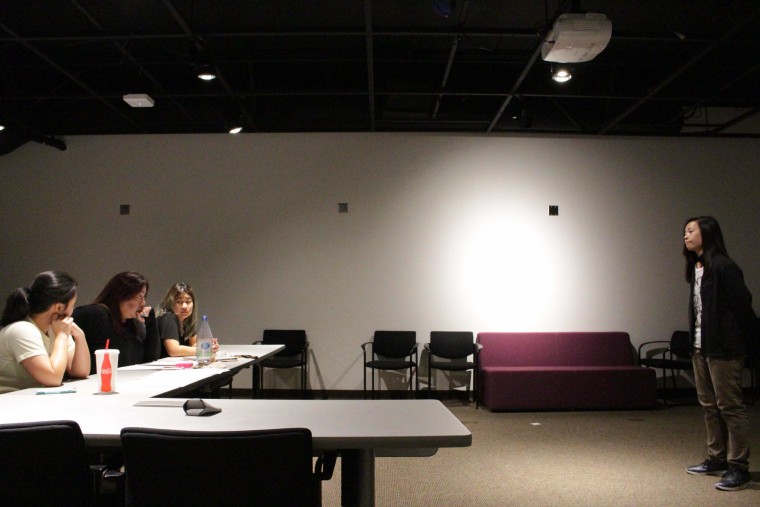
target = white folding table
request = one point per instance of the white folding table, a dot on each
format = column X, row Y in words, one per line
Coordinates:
column 359, row 430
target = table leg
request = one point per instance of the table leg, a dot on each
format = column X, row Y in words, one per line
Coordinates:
column 357, row 478
column 256, row 369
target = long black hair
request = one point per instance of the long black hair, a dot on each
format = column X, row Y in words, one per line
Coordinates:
column 48, row 288
column 121, row 287
column 712, row 244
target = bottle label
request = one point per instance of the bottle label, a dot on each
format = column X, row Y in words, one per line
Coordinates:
column 105, row 375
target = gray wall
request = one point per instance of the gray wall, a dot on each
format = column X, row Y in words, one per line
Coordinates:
column 444, row 232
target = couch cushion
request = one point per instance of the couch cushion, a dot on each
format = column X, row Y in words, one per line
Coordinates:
column 568, row 388
column 556, row 349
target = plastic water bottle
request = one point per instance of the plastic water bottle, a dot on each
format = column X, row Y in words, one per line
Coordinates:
column 204, row 343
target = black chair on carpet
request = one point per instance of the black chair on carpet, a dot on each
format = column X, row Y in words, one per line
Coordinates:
column 294, row 355
column 752, row 363
column 449, row 351
column 391, row 350
column 669, row 356
column 44, row 463
column 199, row 468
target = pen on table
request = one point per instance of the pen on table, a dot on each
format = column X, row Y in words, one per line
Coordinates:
column 56, row 390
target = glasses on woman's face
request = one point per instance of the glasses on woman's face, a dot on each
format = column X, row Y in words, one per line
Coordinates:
column 139, row 297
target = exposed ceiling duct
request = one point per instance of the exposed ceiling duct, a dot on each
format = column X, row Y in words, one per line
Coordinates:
column 376, row 65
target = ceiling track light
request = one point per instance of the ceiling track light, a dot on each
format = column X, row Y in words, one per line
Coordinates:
column 205, row 67
column 444, row 8
column 205, row 72
column 561, row 73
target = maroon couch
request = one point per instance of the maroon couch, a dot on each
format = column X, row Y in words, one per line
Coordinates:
column 563, row 371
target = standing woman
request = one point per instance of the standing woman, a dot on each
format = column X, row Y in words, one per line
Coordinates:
column 39, row 340
column 723, row 330
column 119, row 314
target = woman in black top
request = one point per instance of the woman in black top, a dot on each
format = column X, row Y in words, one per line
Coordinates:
column 119, row 314
column 724, row 331
column 178, row 321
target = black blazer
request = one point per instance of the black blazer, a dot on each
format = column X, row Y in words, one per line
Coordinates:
column 729, row 324
column 136, row 342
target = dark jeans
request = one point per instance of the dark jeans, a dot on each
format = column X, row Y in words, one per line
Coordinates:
column 719, row 389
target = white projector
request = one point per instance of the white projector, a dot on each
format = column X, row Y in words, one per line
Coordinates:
column 138, row 100
column 577, row 38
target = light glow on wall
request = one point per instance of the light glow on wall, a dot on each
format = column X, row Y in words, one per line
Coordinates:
column 507, row 271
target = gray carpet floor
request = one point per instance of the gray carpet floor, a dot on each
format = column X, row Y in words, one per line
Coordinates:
column 619, row 458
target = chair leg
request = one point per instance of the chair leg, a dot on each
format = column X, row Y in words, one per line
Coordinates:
column 430, row 380
column 303, row 382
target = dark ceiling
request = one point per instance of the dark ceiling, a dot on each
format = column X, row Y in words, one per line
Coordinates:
column 672, row 67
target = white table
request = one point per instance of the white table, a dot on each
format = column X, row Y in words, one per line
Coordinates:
column 359, row 430
column 160, row 378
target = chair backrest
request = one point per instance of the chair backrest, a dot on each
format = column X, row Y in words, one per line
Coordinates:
column 262, row 468
column 293, row 339
column 452, row 344
column 394, row 344
column 680, row 344
column 44, row 463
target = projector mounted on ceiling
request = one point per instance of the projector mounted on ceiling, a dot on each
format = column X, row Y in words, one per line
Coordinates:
column 577, row 38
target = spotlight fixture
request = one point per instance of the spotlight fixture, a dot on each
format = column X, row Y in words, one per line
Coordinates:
column 205, row 66
column 2, row 127
column 562, row 74
column 236, row 129
column 205, row 72
column 444, row 8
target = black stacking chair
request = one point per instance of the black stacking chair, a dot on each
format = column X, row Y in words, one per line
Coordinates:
column 669, row 356
column 449, row 351
column 753, row 363
column 44, row 463
column 391, row 350
column 200, row 468
column 294, row 355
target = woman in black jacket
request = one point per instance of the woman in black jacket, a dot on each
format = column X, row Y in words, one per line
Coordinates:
column 724, row 330
column 119, row 316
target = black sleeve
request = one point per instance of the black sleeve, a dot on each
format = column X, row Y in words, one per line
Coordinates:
column 152, row 345
column 740, row 301
column 95, row 321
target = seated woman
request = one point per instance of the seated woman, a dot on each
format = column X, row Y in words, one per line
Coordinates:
column 119, row 314
column 39, row 340
column 178, row 321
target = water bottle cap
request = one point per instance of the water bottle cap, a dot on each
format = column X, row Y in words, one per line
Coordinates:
column 204, row 318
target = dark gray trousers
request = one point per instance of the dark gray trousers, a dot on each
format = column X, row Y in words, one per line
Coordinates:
column 719, row 389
